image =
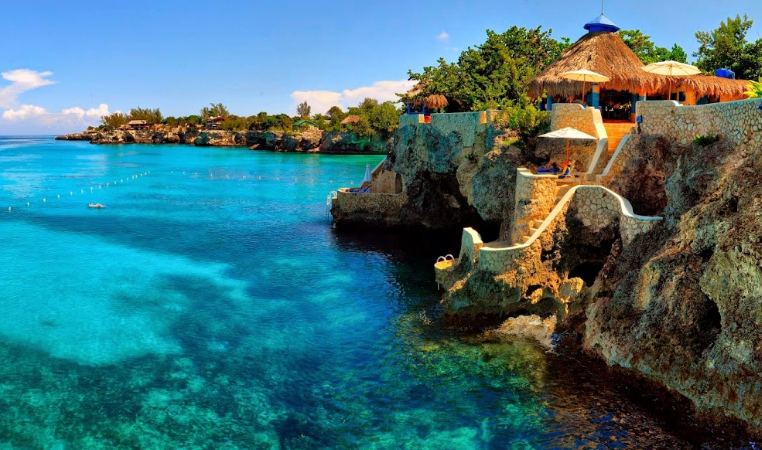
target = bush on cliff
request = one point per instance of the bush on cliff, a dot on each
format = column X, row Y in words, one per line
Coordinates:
column 525, row 119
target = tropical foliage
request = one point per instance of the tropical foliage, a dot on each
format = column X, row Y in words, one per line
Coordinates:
column 648, row 52
column 754, row 89
column 493, row 75
column 303, row 110
column 118, row 119
column 214, row 110
column 727, row 47
column 114, row 120
column 147, row 114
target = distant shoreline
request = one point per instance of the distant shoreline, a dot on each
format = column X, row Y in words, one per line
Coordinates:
column 309, row 141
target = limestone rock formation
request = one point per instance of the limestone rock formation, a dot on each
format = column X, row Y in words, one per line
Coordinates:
column 75, row 137
column 457, row 172
column 310, row 140
column 684, row 305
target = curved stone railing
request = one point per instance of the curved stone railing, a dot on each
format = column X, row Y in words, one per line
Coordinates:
column 616, row 154
column 603, row 145
column 497, row 260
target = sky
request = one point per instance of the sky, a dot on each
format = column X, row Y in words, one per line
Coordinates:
column 65, row 64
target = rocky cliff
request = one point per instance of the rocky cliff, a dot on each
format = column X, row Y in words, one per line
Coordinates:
column 684, row 304
column 310, row 141
column 454, row 172
column 680, row 304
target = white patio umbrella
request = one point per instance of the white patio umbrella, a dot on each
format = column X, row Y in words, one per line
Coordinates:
column 584, row 76
column 671, row 68
column 368, row 176
column 568, row 133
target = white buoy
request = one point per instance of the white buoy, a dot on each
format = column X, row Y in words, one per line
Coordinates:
column 59, row 196
column 81, row 191
column 44, row 199
column 27, row 203
column 9, row 209
column 71, row 192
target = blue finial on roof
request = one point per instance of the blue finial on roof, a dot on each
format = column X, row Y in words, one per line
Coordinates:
column 601, row 23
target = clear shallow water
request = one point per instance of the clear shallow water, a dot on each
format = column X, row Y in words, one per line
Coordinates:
column 210, row 305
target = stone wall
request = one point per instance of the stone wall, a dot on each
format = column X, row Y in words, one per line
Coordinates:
column 467, row 125
column 369, row 204
column 534, row 199
column 598, row 208
column 595, row 206
column 386, row 181
column 739, row 122
column 586, row 120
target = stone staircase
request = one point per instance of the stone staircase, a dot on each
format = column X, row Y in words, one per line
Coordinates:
column 616, row 131
column 562, row 187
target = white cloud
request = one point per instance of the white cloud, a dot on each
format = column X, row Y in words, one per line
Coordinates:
column 24, row 112
column 321, row 101
column 70, row 118
column 443, row 37
column 22, row 80
column 33, row 116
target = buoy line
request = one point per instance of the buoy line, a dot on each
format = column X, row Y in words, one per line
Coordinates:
column 92, row 187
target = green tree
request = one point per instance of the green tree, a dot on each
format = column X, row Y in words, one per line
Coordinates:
column 303, row 110
column 493, row 74
column 678, row 54
column 152, row 116
column 647, row 51
column 214, row 110
column 384, row 117
column 114, row 120
column 724, row 47
column 750, row 66
column 362, row 127
column 337, row 112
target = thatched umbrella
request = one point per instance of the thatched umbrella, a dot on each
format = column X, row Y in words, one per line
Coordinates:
column 604, row 53
column 435, row 101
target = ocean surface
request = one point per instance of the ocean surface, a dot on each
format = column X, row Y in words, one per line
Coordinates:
column 210, row 305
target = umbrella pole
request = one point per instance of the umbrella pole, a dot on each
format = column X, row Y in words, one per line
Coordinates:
column 568, row 143
column 584, row 99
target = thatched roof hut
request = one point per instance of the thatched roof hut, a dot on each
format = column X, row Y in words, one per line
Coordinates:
column 415, row 97
column 435, row 101
column 350, row 120
column 724, row 88
column 604, row 53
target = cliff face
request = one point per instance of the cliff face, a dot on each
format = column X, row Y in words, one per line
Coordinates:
column 451, row 173
column 684, row 304
column 681, row 302
column 310, row 141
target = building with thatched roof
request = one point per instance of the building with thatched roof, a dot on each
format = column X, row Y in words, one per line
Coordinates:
column 603, row 51
column 350, row 120
column 138, row 125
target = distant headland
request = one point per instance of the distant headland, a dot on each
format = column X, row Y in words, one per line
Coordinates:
column 364, row 129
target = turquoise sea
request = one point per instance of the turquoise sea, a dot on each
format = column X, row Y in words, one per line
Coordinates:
column 210, row 305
